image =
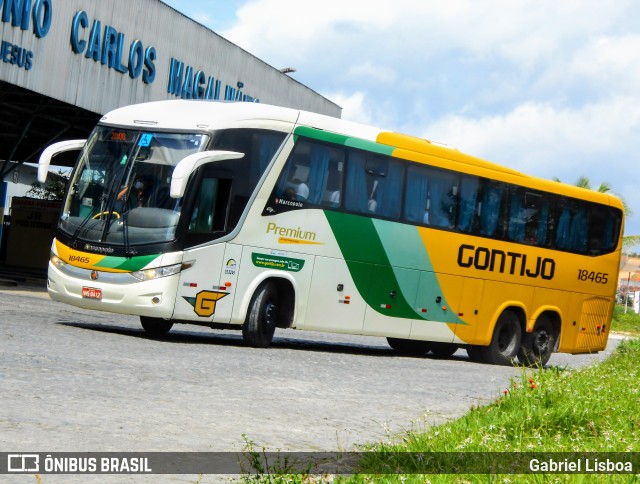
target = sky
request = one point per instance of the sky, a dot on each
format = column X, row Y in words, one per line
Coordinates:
column 547, row 87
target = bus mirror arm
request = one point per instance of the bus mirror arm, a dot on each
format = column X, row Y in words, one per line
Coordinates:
column 53, row 150
column 191, row 163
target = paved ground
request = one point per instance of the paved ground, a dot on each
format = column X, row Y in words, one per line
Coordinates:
column 74, row 380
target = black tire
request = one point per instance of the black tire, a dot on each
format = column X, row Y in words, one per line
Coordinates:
column 505, row 342
column 475, row 353
column 410, row 346
column 156, row 326
column 258, row 329
column 443, row 350
column 537, row 346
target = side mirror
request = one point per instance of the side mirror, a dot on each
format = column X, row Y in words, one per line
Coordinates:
column 53, row 150
column 188, row 165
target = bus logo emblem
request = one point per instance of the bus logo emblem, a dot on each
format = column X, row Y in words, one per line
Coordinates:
column 204, row 304
column 94, row 275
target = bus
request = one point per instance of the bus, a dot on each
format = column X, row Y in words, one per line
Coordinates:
column 253, row 217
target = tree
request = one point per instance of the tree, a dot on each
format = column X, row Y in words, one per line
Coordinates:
column 604, row 187
column 54, row 188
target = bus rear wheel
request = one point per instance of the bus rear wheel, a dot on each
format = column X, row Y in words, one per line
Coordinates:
column 505, row 341
column 258, row 329
column 409, row 346
column 156, row 326
column 537, row 346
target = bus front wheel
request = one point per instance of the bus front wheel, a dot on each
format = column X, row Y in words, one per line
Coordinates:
column 505, row 341
column 258, row 329
column 537, row 346
column 475, row 353
column 156, row 326
column 443, row 350
column 409, row 346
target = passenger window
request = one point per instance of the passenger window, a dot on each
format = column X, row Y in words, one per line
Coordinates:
column 468, row 203
column 442, row 192
column 374, row 185
column 603, row 229
column 571, row 232
column 417, row 195
column 490, row 207
column 528, row 217
column 313, row 174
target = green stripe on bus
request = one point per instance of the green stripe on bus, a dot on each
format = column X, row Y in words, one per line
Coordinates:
column 129, row 265
column 339, row 139
column 383, row 256
column 359, row 242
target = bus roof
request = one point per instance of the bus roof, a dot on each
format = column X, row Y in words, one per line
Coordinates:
column 207, row 115
column 194, row 115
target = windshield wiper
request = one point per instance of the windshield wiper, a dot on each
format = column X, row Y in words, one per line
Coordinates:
column 76, row 232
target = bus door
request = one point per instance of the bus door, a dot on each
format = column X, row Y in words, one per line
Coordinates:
column 206, row 288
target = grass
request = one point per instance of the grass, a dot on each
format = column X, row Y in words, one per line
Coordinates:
column 628, row 323
column 594, row 409
column 590, row 410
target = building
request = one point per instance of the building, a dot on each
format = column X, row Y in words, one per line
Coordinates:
column 629, row 282
column 64, row 63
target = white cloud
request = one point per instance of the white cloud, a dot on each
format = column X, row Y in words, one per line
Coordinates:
column 353, row 107
column 368, row 71
column 550, row 88
column 609, row 63
column 595, row 140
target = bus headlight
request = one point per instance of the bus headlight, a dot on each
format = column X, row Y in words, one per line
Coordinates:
column 158, row 272
column 57, row 261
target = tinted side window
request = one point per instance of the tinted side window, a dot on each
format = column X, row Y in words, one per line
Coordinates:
column 374, row 185
column 313, row 174
column 528, row 216
column 490, row 207
column 604, row 227
column 571, row 229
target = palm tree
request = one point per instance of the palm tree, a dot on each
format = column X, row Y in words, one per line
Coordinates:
column 605, row 187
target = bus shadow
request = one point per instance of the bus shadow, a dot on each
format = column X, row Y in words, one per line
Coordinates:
column 233, row 338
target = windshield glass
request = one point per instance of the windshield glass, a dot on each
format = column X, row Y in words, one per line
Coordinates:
column 119, row 193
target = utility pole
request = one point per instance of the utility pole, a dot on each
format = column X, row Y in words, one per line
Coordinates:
column 626, row 296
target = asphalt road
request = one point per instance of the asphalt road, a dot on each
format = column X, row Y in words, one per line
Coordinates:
column 74, row 380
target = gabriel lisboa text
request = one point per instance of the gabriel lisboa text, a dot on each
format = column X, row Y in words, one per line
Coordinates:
column 583, row 465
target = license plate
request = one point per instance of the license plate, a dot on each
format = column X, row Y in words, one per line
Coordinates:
column 91, row 293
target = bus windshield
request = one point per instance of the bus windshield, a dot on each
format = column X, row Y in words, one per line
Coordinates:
column 119, row 192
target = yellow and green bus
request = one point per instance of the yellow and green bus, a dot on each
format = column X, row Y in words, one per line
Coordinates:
column 254, row 217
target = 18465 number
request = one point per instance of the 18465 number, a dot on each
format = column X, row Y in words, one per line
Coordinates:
column 597, row 277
